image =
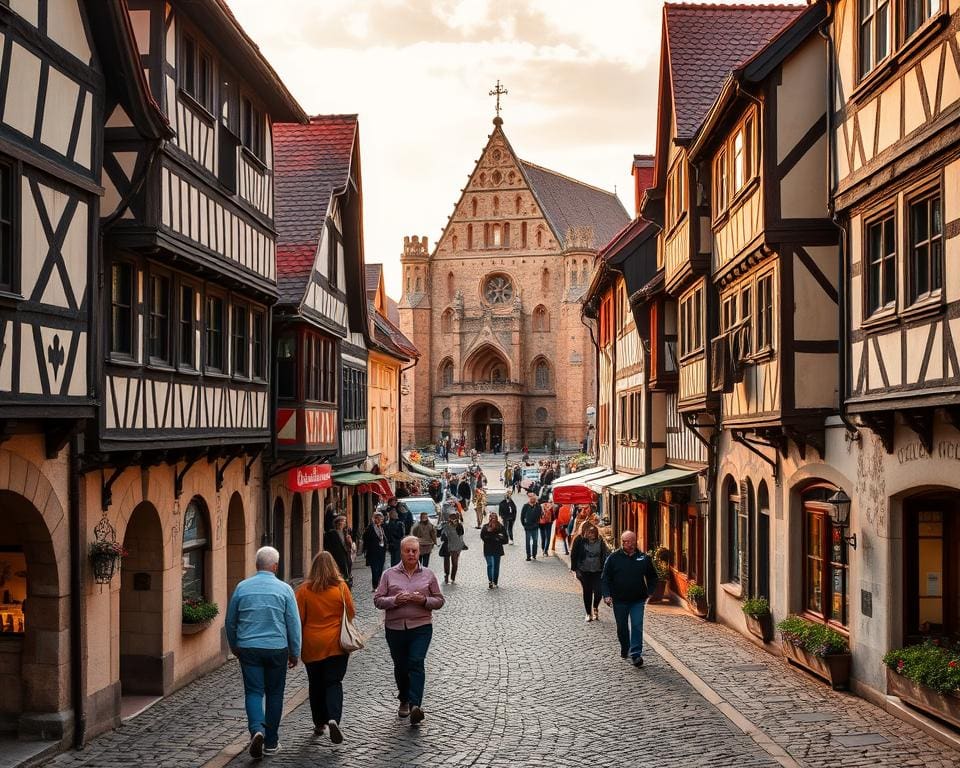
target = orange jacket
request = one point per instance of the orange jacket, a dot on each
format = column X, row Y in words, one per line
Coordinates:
column 320, row 615
column 563, row 517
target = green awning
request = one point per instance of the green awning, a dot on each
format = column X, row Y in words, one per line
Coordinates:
column 355, row 477
column 671, row 476
column 599, row 483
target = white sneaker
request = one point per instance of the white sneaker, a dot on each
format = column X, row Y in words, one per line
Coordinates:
column 271, row 750
column 588, row 619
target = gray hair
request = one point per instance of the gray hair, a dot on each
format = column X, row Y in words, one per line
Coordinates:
column 267, row 557
column 408, row 539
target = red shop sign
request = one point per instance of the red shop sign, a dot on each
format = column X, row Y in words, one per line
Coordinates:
column 311, row 478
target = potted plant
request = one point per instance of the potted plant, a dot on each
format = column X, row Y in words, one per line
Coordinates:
column 927, row 677
column 197, row 615
column 697, row 599
column 817, row 648
column 759, row 619
column 661, row 561
column 104, row 557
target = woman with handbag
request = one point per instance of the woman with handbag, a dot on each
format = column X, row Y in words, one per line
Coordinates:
column 452, row 544
column 494, row 536
column 326, row 610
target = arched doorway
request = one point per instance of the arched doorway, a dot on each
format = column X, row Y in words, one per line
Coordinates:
column 486, row 425
column 236, row 544
column 33, row 611
column 141, row 605
column 278, row 534
column 296, row 537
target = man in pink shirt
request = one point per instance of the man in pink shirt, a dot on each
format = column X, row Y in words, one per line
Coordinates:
column 409, row 593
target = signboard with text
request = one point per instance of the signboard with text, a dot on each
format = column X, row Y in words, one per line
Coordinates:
column 310, row 478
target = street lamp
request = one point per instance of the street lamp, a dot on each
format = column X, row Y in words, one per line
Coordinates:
column 840, row 515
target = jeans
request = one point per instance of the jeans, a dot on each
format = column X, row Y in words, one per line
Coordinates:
column 631, row 640
column 408, row 649
column 264, row 676
column 425, row 560
column 376, row 562
column 394, row 555
column 545, row 536
column 493, row 567
column 530, row 535
column 451, row 562
column 508, row 524
column 326, row 688
column 590, row 582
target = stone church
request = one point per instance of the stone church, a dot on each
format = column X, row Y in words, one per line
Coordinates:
column 495, row 308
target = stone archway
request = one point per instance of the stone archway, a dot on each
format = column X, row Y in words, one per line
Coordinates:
column 487, row 364
column 485, row 422
column 236, row 544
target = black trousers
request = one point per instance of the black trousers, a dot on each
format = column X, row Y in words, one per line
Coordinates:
column 326, row 688
column 590, row 582
column 508, row 524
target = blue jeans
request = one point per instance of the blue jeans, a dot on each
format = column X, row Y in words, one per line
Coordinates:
column 631, row 640
column 408, row 649
column 264, row 675
column 545, row 537
column 530, row 536
column 493, row 567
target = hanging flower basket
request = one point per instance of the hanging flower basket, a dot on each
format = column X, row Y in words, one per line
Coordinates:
column 104, row 557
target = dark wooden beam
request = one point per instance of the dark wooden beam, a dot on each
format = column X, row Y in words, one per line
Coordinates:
column 882, row 425
column 921, row 422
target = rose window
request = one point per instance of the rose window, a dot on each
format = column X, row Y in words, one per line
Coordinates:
column 498, row 290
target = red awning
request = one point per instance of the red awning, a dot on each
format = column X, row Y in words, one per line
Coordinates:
column 573, row 494
column 379, row 487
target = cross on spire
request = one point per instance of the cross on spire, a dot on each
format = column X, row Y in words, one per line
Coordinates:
column 498, row 92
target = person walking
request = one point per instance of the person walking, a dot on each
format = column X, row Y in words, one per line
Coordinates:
column 263, row 630
column 587, row 558
column 375, row 547
column 463, row 492
column 530, row 520
column 494, row 536
column 517, row 477
column 507, row 509
column 546, row 524
column 564, row 515
column 426, row 534
column 395, row 532
column 452, row 544
column 480, row 504
column 628, row 578
column 321, row 600
column 409, row 593
column 338, row 543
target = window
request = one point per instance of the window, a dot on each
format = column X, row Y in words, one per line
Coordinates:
column 497, row 242
column 318, row 368
column 496, row 203
column 825, row 560
column 734, row 549
column 624, row 412
column 334, row 246
column 187, row 358
column 241, row 340
column 354, row 408
column 196, row 542
column 196, row 73
column 446, row 322
column 918, row 12
column 746, row 305
column 473, row 207
column 6, row 228
column 251, row 127
column 542, row 375
column 636, row 405
column 498, row 289
column 523, row 234
column 741, row 155
column 541, row 321
column 676, row 194
column 728, row 312
column 446, row 374
column 875, row 33
column 691, row 323
column 121, row 308
column 517, row 203
column 882, row 265
column 158, row 341
column 214, row 333
column 925, row 260
column 720, row 183
column 764, row 324
column 539, row 238
column 259, row 345
column 469, row 237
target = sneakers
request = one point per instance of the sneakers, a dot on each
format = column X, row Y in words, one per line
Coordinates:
column 588, row 619
column 256, row 746
column 596, row 615
column 638, row 661
column 416, row 715
column 490, row 585
column 528, row 558
column 271, row 750
column 335, row 735
column 404, row 710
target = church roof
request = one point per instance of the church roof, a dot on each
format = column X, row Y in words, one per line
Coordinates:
column 705, row 42
column 568, row 204
column 311, row 164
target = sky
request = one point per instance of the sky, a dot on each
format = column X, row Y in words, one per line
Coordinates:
column 581, row 80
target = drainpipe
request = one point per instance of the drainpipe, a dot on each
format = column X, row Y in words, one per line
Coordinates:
column 77, row 558
column 400, row 412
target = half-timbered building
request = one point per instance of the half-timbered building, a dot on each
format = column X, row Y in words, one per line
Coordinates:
column 894, row 70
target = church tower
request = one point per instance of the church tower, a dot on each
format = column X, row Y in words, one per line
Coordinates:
column 415, row 322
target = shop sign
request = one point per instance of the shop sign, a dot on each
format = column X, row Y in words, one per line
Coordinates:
column 310, row 478
column 915, row 451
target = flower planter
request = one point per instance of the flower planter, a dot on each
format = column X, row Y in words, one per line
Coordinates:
column 195, row 628
column 945, row 706
column 835, row 668
column 760, row 626
column 660, row 593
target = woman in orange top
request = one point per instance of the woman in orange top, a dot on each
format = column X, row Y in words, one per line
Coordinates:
column 560, row 530
column 320, row 600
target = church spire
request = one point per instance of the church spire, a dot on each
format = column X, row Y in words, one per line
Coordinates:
column 498, row 92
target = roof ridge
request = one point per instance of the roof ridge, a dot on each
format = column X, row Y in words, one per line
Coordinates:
column 569, row 178
column 335, row 115
column 736, row 6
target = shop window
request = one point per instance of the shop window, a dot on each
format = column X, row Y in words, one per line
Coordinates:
column 825, row 560
column 925, row 259
column 158, row 340
column 196, row 544
column 122, row 276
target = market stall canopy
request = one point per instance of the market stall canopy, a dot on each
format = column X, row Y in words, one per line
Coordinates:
column 669, row 476
column 364, row 482
column 578, row 478
column 573, row 494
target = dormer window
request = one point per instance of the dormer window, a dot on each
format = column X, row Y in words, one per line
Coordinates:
column 196, row 73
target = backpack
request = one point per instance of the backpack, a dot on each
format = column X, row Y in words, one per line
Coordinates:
column 546, row 515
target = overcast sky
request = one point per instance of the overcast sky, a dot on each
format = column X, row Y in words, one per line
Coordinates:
column 581, row 78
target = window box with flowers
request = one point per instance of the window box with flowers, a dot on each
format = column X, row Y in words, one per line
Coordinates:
column 104, row 557
column 197, row 616
column 756, row 610
column 927, row 677
column 696, row 599
column 816, row 648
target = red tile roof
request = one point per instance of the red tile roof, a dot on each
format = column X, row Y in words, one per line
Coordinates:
column 311, row 163
column 705, row 43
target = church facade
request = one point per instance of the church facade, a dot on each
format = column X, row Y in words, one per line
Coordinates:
column 494, row 308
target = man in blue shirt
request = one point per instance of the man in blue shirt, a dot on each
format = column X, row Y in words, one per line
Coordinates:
column 263, row 629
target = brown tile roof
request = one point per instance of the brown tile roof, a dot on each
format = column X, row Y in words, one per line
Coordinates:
column 568, row 203
column 705, row 43
column 393, row 311
column 373, row 279
column 390, row 338
column 311, row 163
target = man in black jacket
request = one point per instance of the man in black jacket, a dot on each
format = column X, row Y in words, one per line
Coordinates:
column 629, row 577
column 465, row 493
column 508, row 513
column 395, row 532
column 530, row 520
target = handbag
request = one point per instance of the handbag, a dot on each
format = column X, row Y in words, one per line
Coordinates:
column 350, row 638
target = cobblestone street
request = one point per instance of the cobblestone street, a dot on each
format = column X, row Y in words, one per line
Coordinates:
column 516, row 677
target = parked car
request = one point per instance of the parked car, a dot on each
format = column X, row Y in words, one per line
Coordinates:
column 418, row 504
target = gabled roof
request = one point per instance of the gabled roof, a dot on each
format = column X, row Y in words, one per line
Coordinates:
column 312, row 163
column 389, row 338
column 705, row 42
column 374, row 271
column 569, row 204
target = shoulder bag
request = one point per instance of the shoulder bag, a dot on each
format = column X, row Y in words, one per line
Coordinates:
column 350, row 638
